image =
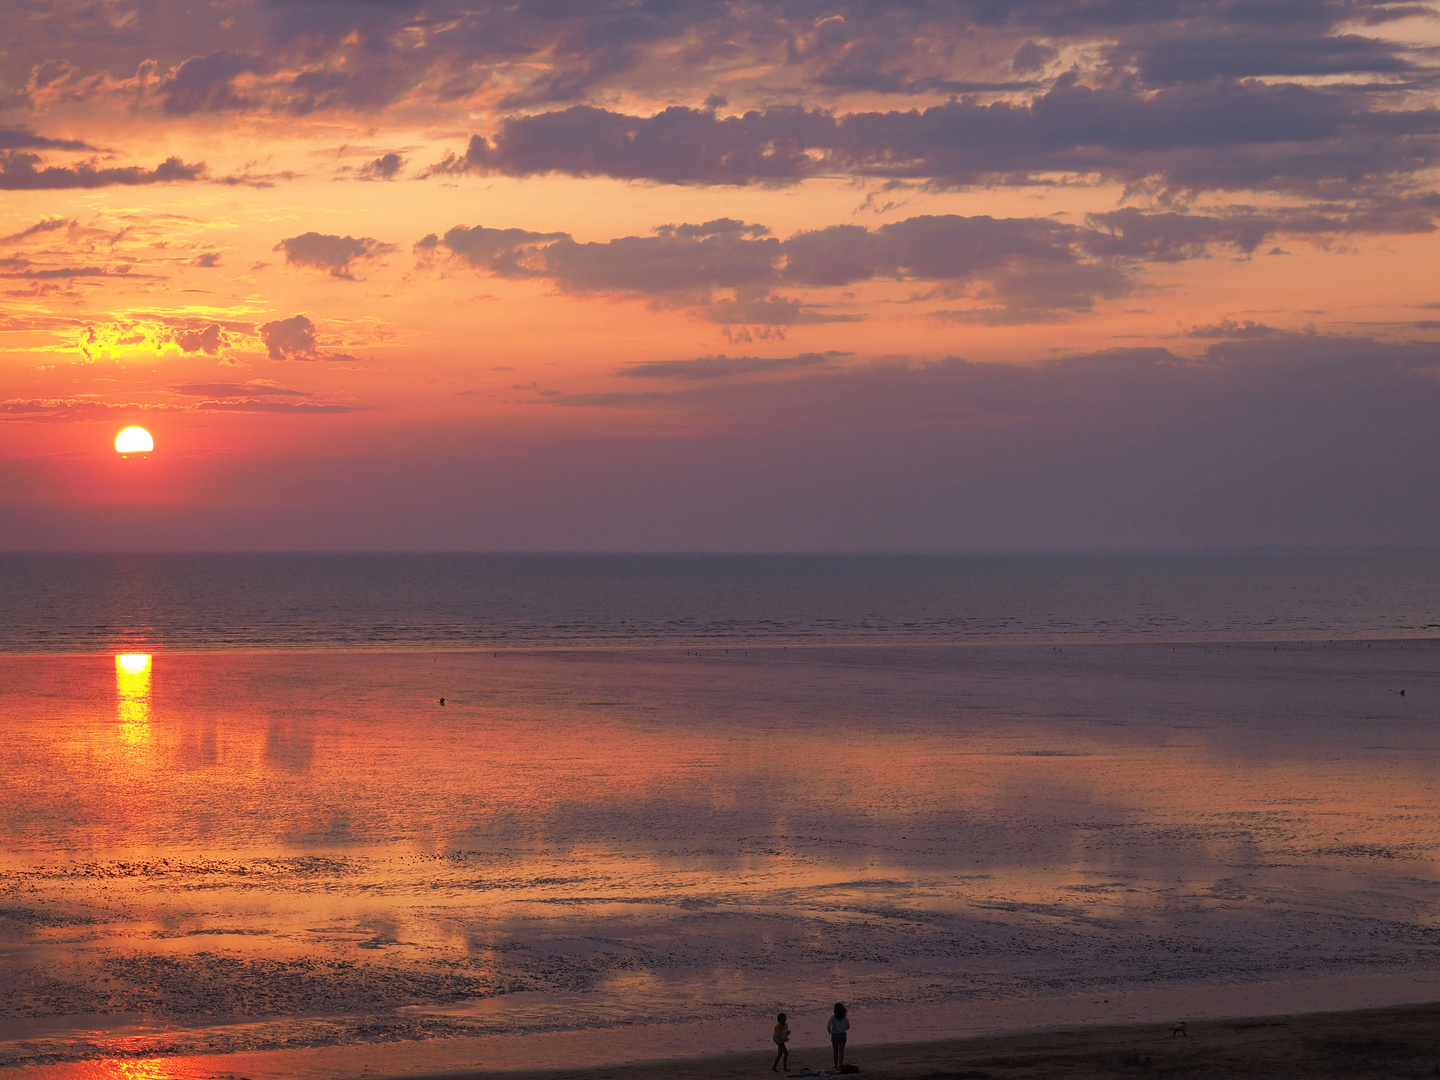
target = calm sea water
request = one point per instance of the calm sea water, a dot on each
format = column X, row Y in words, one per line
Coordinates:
column 239, row 822
column 84, row 603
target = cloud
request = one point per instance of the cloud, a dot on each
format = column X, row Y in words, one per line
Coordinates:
column 333, row 254
column 1288, row 439
column 313, row 55
column 40, row 228
column 1247, row 330
column 1034, row 56
column 71, row 408
column 207, row 83
column 725, row 367
column 1009, row 270
column 263, row 406
column 677, row 145
column 1171, row 237
column 207, row 340
column 1192, row 136
column 236, row 390
column 1252, row 52
column 289, row 339
column 13, row 138
column 1178, row 97
column 18, row 172
column 295, row 339
column 385, row 167
column 254, row 179
column 1249, row 373
column 10, row 268
column 1030, row 269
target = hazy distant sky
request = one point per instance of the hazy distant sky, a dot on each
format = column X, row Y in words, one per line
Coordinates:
column 598, row 274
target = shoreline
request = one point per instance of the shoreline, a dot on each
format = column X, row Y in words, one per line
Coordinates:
column 1386, row 1041
column 1057, row 1037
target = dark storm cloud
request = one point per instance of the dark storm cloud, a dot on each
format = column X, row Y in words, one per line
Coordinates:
column 333, row 254
column 1033, row 269
column 1215, row 135
column 19, row 172
column 289, row 339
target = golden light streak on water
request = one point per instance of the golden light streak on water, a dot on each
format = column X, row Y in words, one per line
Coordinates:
column 132, row 696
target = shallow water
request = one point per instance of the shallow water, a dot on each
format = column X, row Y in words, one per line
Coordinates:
column 218, row 852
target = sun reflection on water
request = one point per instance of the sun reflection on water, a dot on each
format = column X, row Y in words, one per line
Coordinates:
column 132, row 696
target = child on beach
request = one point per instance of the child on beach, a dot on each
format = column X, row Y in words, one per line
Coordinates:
column 838, row 1026
column 781, row 1037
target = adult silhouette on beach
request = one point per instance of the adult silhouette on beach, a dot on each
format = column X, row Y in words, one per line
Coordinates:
column 839, row 1027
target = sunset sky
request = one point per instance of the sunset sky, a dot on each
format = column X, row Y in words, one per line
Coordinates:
column 678, row 275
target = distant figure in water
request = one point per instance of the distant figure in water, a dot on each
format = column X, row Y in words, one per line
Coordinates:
column 781, row 1037
column 838, row 1026
column 442, row 701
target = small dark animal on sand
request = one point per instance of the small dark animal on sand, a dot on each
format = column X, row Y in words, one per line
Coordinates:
column 1180, row 1029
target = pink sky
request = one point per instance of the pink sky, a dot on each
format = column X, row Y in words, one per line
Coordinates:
column 719, row 276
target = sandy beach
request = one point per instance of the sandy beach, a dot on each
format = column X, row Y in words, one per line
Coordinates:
column 1394, row 1042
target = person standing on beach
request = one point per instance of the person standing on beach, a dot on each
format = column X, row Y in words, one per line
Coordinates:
column 781, row 1037
column 839, row 1027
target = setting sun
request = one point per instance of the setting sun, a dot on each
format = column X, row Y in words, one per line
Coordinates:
column 134, row 440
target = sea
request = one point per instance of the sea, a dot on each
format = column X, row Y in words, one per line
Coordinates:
column 343, row 815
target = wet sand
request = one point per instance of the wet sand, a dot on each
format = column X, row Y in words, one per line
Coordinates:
column 300, row 865
column 1393, row 1042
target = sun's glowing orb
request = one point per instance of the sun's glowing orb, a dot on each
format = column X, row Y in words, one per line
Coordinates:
column 134, row 440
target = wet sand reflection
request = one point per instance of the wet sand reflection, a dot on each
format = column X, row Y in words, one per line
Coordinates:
column 262, row 850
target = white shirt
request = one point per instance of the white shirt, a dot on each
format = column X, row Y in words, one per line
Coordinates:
column 838, row 1025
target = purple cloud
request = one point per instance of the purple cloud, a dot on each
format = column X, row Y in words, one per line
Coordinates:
column 289, row 339
column 18, row 172
column 333, row 254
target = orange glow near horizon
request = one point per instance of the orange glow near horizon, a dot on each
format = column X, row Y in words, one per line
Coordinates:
column 490, row 313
